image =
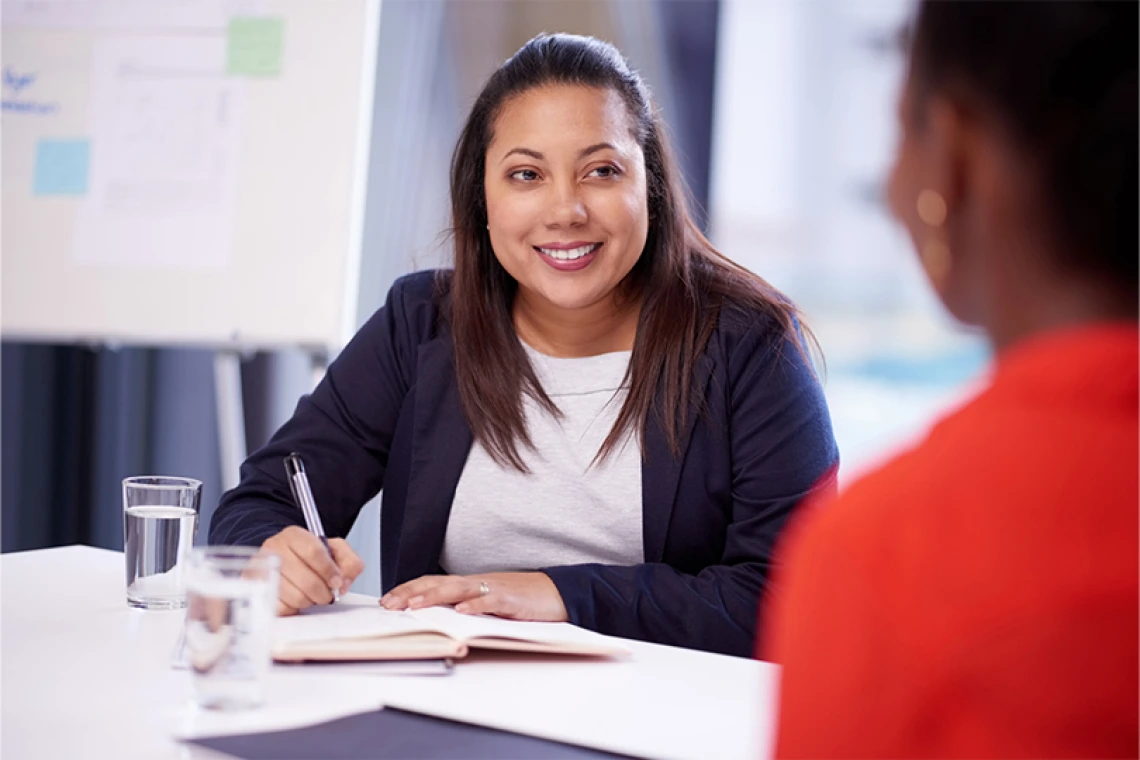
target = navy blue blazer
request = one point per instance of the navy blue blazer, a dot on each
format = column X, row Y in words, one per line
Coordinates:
column 387, row 416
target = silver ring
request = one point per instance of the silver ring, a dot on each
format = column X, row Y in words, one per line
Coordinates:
column 484, row 589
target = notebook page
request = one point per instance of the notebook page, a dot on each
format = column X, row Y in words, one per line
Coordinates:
column 467, row 627
column 324, row 623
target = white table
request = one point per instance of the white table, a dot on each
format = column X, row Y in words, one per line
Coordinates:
column 86, row 676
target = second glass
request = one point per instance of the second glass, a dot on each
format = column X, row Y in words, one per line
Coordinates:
column 232, row 604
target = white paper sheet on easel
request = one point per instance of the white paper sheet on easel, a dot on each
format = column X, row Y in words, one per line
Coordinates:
column 165, row 129
column 127, row 14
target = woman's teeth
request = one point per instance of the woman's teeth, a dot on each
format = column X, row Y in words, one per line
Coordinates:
column 571, row 254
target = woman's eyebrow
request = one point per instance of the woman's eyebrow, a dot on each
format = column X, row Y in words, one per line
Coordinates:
column 539, row 157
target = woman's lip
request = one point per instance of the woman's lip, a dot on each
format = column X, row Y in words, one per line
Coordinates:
column 566, row 246
column 570, row 265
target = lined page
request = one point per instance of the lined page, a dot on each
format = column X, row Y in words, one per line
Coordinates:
column 467, row 627
column 333, row 622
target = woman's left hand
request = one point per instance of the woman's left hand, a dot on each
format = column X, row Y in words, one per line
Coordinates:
column 519, row 596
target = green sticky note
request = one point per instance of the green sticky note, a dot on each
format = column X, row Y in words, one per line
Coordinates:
column 254, row 46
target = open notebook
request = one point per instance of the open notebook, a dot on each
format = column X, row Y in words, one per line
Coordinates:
column 344, row 633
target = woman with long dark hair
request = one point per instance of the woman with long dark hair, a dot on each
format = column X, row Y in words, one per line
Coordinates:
column 978, row 595
column 595, row 417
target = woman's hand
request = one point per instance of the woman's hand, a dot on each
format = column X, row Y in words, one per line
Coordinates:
column 519, row 596
column 308, row 574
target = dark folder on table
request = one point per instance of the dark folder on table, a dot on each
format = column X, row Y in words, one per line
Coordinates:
column 391, row 734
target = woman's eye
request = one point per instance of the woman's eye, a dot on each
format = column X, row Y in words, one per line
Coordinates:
column 526, row 175
column 605, row 172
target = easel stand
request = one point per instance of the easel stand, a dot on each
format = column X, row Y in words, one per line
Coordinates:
column 232, row 446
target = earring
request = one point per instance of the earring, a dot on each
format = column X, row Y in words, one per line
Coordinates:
column 935, row 254
column 931, row 208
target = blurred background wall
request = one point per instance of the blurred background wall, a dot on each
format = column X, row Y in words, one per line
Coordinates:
column 783, row 113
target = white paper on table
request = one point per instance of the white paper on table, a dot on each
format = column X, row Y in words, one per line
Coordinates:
column 165, row 135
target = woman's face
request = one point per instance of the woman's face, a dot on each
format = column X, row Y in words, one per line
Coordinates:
column 565, row 185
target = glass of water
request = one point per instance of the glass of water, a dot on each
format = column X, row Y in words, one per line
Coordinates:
column 232, row 602
column 160, row 517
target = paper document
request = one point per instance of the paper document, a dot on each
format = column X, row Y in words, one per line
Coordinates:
column 151, row 15
column 165, row 136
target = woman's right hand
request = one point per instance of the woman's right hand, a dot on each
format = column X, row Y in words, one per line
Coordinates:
column 308, row 574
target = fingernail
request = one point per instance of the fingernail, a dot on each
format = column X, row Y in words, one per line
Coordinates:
column 462, row 607
column 415, row 601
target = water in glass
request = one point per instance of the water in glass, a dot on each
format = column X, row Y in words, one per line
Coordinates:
column 229, row 622
column 157, row 540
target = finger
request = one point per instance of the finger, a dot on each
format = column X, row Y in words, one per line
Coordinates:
column 289, row 594
column 311, row 585
column 290, row 544
column 451, row 590
column 312, row 552
column 397, row 598
column 295, row 574
column 349, row 562
column 284, row 610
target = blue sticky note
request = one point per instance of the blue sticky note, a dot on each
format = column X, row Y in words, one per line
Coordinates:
column 61, row 167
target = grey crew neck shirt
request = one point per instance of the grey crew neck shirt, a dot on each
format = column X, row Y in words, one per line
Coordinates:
column 564, row 511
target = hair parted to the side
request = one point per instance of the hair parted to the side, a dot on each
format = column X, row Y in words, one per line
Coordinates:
column 1061, row 76
column 681, row 279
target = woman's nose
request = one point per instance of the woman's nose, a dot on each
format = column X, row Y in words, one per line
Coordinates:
column 566, row 207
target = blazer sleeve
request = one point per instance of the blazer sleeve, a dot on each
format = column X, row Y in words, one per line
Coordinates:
column 781, row 449
column 343, row 430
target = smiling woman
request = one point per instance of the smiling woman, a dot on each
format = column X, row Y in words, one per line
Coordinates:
column 579, row 203
column 595, row 417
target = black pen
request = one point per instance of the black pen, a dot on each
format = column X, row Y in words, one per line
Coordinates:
column 303, row 495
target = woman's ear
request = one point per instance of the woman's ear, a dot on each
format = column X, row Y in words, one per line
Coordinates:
column 949, row 151
column 959, row 169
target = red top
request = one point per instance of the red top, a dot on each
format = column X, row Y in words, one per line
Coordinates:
column 977, row 596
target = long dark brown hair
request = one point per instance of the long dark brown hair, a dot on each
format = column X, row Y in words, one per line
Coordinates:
column 681, row 279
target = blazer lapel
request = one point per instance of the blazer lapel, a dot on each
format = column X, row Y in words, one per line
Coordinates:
column 661, row 471
column 441, row 441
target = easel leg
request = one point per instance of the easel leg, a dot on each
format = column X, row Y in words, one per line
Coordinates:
column 231, row 416
column 318, row 363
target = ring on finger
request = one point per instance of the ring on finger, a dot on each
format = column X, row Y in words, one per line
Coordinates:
column 484, row 589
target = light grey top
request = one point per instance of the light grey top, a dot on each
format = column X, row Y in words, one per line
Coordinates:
column 564, row 511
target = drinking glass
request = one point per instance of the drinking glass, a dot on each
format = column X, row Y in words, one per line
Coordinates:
column 232, row 602
column 160, row 517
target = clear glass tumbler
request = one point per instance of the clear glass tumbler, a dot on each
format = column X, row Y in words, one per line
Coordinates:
column 160, row 518
column 232, row 602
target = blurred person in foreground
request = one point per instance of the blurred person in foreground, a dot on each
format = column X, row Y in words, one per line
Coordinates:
column 977, row 596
